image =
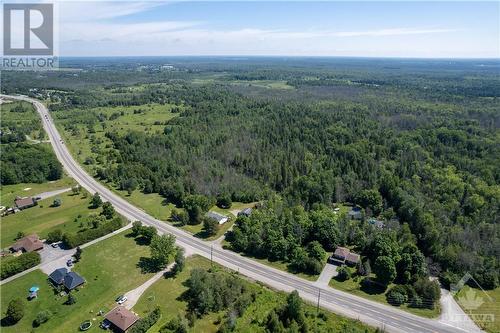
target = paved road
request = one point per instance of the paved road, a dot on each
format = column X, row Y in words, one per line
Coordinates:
column 372, row 313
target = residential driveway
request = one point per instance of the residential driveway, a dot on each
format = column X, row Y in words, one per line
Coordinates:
column 53, row 258
column 328, row 272
column 453, row 315
column 134, row 295
column 49, row 194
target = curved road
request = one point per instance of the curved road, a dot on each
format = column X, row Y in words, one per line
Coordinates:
column 389, row 318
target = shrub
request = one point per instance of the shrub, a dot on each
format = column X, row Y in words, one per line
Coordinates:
column 344, row 274
column 12, row 266
column 41, row 317
column 144, row 324
column 15, row 311
column 54, row 236
column 397, row 295
column 57, row 202
column 74, row 240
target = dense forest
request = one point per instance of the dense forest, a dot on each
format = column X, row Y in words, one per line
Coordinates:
column 416, row 144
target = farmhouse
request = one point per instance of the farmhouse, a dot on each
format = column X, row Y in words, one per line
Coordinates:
column 221, row 219
column 28, row 244
column 121, row 318
column 23, row 203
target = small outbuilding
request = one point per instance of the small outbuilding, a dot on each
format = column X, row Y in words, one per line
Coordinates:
column 121, row 318
column 355, row 213
column 28, row 244
column 245, row 212
column 221, row 219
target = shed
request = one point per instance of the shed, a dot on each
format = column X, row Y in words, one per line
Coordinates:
column 23, row 203
column 245, row 212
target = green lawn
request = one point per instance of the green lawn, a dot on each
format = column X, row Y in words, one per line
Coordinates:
column 9, row 192
column 487, row 305
column 152, row 203
column 166, row 293
column 43, row 218
column 110, row 269
column 352, row 286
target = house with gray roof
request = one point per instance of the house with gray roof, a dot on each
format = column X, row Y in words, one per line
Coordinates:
column 221, row 219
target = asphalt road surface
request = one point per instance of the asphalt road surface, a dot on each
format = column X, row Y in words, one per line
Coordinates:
column 389, row 318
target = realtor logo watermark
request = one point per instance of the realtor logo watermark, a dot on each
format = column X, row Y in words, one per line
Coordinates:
column 29, row 41
column 471, row 301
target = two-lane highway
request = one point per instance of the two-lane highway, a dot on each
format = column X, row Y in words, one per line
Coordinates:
column 372, row 313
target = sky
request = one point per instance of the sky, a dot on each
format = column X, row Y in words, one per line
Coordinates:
column 367, row 29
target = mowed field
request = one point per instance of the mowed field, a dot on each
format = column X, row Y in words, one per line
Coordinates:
column 43, row 218
column 27, row 120
column 109, row 267
column 167, row 294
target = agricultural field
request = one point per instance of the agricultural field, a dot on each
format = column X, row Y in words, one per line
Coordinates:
column 44, row 218
column 167, row 294
column 109, row 267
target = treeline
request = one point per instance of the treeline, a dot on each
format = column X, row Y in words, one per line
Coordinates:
column 13, row 265
column 24, row 163
column 101, row 228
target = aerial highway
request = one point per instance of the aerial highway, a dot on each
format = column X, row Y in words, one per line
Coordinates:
column 386, row 317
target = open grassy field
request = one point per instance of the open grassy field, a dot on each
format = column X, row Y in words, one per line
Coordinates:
column 488, row 307
column 28, row 120
column 43, row 218
column 9, row 192
column 84, row 141
column 353, row 286
column 166, row 293
column 152, row 203
column 110, row 269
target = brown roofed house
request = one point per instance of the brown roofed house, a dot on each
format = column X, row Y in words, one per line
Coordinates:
column 122, row 318
column 28, row 244
column 340, row 253
column 23, row 203
column 352, row 259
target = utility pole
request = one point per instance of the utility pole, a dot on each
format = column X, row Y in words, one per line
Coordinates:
column 319, row 296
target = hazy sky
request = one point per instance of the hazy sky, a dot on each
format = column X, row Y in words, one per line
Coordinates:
column 394, row 29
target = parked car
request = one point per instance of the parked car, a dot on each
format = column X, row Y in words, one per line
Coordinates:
column 122, row 299
column 69, row 262
column 54, row 245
